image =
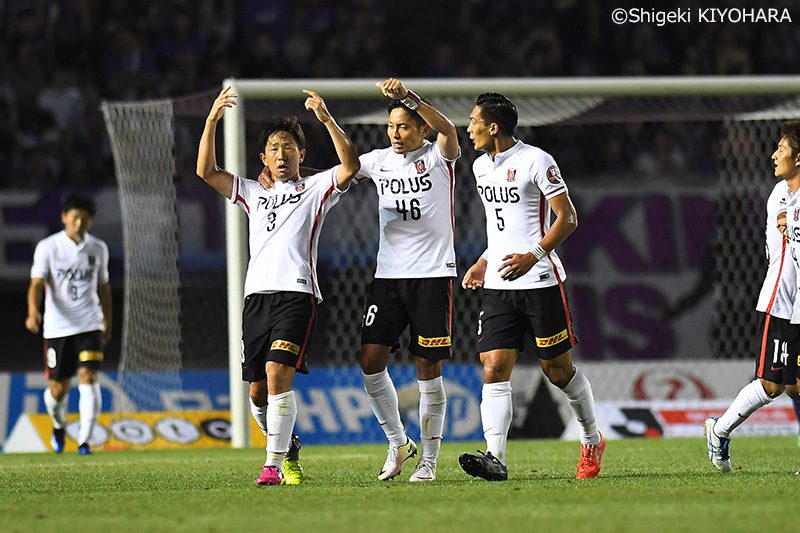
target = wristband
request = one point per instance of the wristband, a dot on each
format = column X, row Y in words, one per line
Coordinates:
column 538, row 252
column 411, row 100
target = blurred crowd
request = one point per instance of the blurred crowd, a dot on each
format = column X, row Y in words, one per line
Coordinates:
column 60, row 58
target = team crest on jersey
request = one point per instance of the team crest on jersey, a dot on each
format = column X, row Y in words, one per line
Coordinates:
column 511, row 175
column 553, row 174
column 420, row 166
column 299, row 187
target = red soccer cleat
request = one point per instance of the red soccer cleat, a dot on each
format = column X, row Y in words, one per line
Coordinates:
column 591, row 457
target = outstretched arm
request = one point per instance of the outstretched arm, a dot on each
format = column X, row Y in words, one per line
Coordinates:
column 518, row 264
column 344, row 146
column 447, row 138
column 219, row 179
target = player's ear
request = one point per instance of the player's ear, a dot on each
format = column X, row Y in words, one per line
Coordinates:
column 263, row 158
column 302, row 154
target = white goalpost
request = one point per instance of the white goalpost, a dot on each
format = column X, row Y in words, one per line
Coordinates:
column 571, row 95
column 734, row 117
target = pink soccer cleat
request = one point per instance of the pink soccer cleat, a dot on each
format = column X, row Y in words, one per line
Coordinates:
column 270, row 475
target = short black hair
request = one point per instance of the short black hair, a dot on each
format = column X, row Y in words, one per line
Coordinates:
column 394, row 104
column 77, row 200
column 790, row 130
column 496, row 108
column 287, row 124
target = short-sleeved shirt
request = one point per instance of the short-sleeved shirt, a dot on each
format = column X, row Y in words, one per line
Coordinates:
column 72, row 272
column 284, row 224
column 415, row 209
column 515, row 188
column 778, row 291
column 788, row 287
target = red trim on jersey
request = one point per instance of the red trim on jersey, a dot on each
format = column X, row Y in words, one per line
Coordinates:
column 311, row 319
column 542, row 213
column 240, row 198
column 451, row 173
column 313, row 231
column 762, row 357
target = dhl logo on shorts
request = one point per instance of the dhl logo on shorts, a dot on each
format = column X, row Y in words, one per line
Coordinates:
column 433, row 342
column 551, row 341
column 89, row 355
column 286, row 346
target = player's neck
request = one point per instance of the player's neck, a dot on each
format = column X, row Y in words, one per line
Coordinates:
column 793, row 182
column 501, row 144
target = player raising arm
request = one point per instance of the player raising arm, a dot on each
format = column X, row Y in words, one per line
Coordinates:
column 523, row 279
column 413, row 285
column 281, row 286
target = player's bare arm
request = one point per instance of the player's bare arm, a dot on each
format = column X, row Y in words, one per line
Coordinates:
column 448, row 135
column 219, row 179
column 476, row 275
column 33, row 322
column 104, row 293
column 344, row 146
column 518, row 264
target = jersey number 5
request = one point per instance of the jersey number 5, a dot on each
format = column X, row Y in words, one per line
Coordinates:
column 501, row 224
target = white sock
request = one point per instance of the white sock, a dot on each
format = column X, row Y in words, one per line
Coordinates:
column 432, row 408
column 579, row 393
column 383, row 400
column 260, row 414
column 750, row 399
column 56, row 409
column 90, row 403
column 496, row 411
column 281, row 416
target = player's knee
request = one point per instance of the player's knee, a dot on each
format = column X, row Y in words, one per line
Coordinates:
column 792, row 392
column 58, row 390
column 558, row 376
column 374, row 358
column 773, row 390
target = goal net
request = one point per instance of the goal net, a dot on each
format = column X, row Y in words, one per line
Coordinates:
column 669, row 178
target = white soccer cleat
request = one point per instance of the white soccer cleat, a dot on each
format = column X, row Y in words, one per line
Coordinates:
column 425, row 472
column 395, row 458
column 718, row 447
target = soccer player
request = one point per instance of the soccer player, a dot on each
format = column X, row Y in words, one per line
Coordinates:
column 281, row 286
column 413, row 285
column 778, row 305
column 73, row 266
column 523, row 283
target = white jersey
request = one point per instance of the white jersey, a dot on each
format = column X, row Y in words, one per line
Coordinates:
column 415, row 209
column 515, row 188
column 71, row 273
column 284, row 224
column 791, row 275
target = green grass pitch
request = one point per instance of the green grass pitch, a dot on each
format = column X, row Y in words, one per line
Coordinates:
column 646, row 485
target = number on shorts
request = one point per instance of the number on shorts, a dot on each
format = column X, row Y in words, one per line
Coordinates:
column 369, row 317
column 480, row 323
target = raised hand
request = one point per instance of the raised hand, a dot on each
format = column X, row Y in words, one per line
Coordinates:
column 225, row 99
column 393, row 88
column 315, row 103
